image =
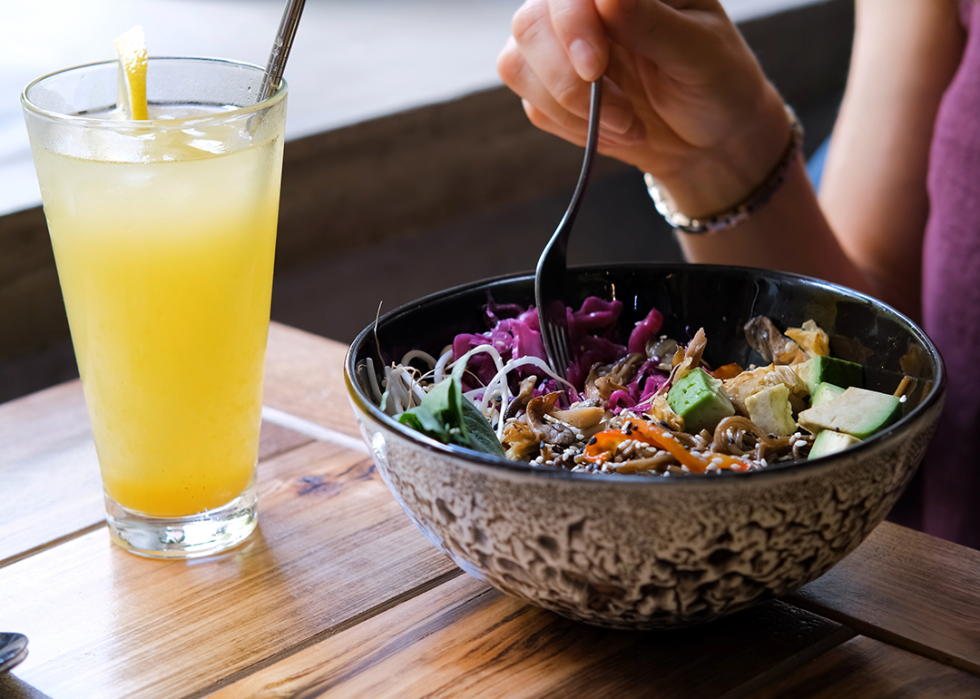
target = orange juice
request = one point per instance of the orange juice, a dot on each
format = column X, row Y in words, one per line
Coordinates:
column 165, row 262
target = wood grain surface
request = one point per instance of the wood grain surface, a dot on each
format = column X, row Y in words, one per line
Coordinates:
column 864, row 668
column 909, row 589
column 304, row 376
column 332, row 546
column 465, row 639
column 49, row 474
column 48, row 433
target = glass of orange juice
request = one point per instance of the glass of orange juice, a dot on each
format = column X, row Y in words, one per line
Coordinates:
column 164, row 234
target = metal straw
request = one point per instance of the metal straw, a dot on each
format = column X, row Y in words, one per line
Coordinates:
column 280, row 47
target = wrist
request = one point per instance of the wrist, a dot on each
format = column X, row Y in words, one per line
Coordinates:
column 718, row 178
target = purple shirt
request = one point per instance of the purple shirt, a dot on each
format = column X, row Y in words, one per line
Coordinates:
column 949, row 485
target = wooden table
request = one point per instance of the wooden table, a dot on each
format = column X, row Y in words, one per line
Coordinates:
column 338, row 594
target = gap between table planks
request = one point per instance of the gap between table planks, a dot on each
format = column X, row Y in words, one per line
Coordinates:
column 467, row 639
column 864, row 668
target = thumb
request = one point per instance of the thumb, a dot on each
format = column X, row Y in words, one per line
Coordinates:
column 671, row 33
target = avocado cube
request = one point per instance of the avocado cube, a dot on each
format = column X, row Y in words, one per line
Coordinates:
column 839, row 372
column 825, row 393
column 701, row 400
column 830, row 442
column 857, row 412
column 770, row 409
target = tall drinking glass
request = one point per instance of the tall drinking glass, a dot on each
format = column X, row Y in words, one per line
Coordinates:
column 164, row 234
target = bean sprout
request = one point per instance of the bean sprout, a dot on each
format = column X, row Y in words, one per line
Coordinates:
column 418, row 354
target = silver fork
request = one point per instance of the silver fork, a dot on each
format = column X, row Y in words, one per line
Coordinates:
column 549, row 278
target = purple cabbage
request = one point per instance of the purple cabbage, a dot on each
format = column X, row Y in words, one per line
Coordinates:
column 495, row 312
column 515, row 332
column 644, row 330
column 594, row 314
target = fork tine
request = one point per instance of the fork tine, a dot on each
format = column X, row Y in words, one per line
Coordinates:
column 554, row 333
column 564, row 354
column 557, row 333
column 565, row 350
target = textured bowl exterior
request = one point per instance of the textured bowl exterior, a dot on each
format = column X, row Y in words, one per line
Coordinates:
column 653, row 552
column 653, row 555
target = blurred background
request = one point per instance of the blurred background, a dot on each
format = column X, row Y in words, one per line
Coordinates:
column 408, row 167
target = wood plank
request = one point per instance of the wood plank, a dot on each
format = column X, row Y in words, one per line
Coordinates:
column 304, row 376
column 332, row 547
column 864, row 668
column 50, row 472
column 908, row 589
column 275, row 439
column 467, row 639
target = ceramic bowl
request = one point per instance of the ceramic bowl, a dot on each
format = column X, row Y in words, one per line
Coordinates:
column 646, row 552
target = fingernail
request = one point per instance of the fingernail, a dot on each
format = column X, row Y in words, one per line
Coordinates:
column 615, row 118
column 585, row 60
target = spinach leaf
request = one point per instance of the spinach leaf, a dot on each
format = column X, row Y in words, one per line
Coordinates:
column 481, row 435
column 447, row 416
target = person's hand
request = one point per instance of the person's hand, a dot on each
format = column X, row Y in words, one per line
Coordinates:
column 685, row 99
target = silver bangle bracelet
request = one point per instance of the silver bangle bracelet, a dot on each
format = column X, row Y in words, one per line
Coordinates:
column 741, row 211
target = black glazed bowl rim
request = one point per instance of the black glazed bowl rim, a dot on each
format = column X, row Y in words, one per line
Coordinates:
column 478, row 459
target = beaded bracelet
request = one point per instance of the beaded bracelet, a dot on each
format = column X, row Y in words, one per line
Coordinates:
column 741, row 211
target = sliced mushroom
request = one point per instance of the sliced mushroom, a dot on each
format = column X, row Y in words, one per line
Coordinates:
column 623, row 370
column 662, row 350
column 523, row 397
column 546, row 430
column 598, row 387
column 766, row 339
column 581, row 416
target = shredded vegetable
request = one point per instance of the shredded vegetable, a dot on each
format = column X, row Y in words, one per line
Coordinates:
column 649, row 405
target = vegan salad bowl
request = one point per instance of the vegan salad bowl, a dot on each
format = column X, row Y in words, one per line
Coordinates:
column 699, row 460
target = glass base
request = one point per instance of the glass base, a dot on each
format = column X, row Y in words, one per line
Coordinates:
column 202, row 534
